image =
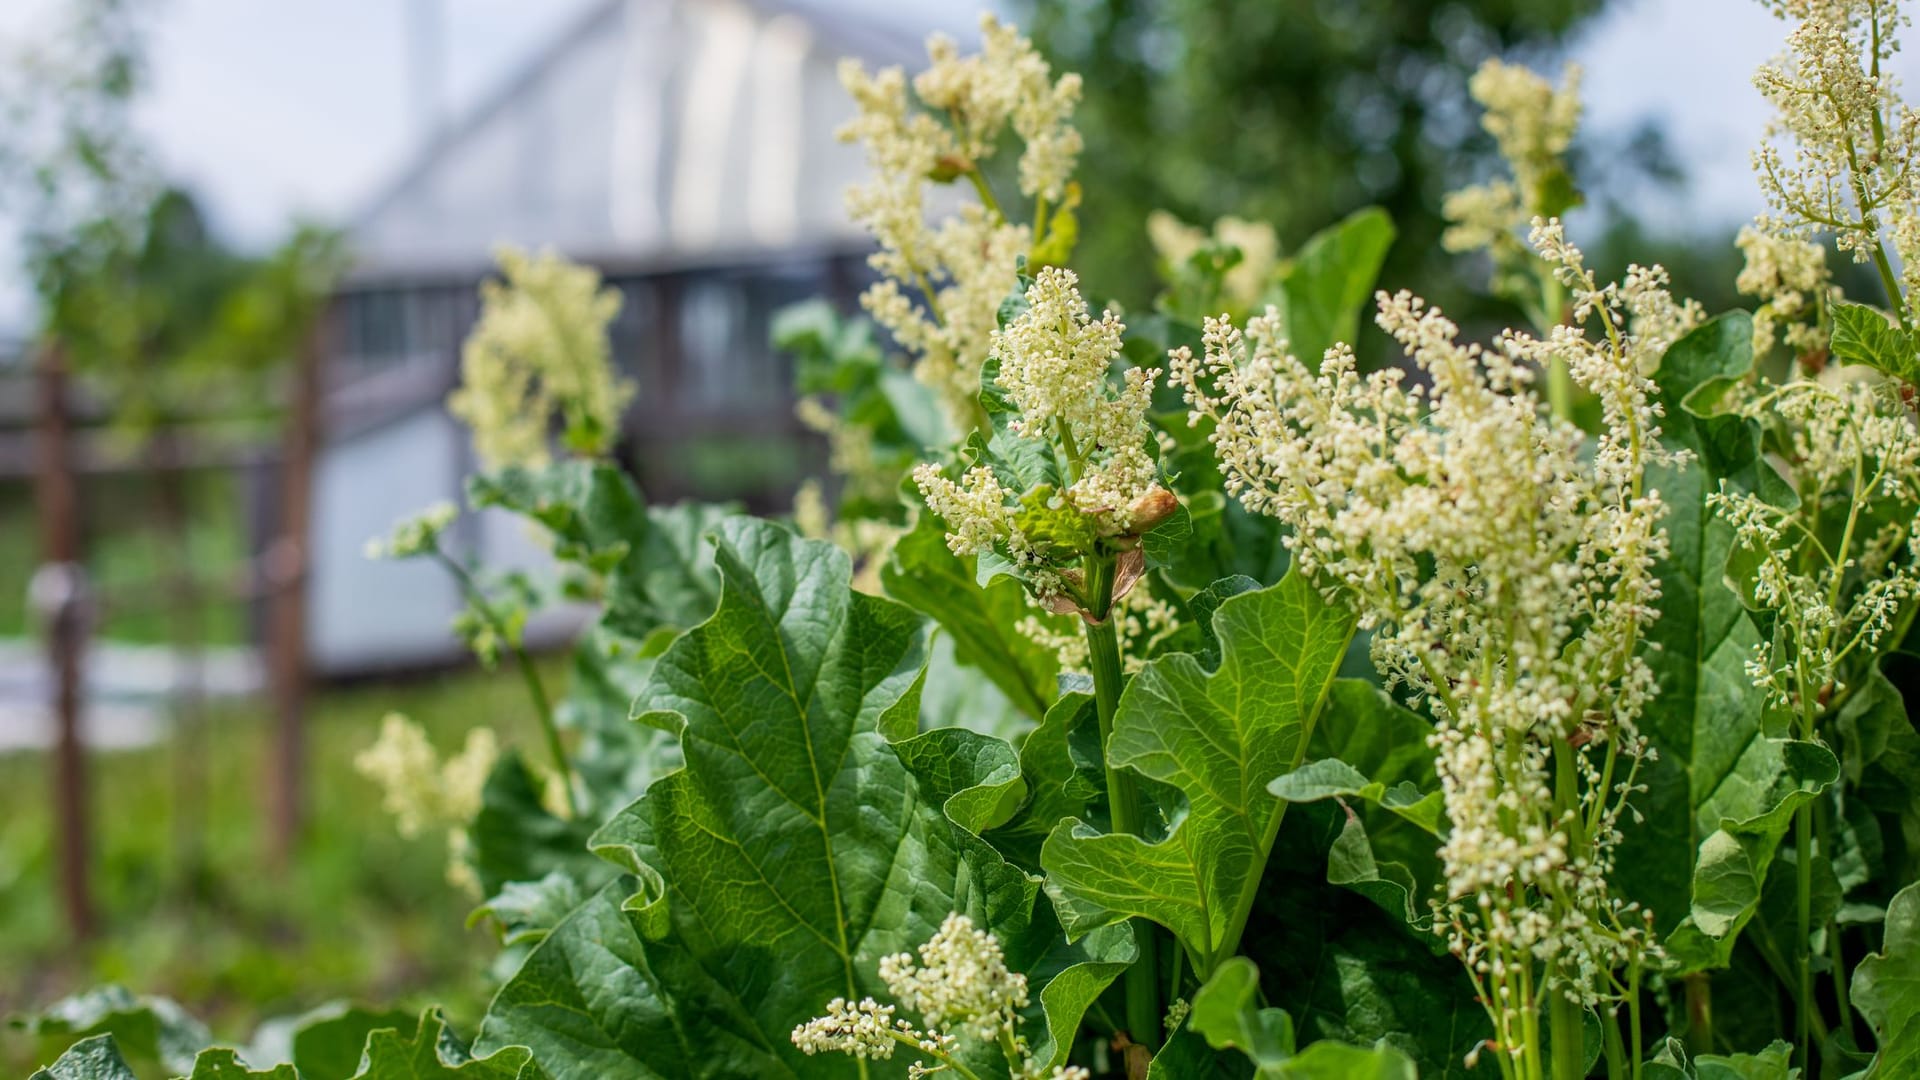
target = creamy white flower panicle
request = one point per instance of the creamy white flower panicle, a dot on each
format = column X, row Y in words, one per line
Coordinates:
column 942, row 283
column 416, row 788
column 1175, row 242
column 1533, row 124
column 960, row 986
column 1851, row 440
column 1507, row 574
column 1842, row 146
column 1055, row 360
column 540, row 350
column 415, row 535
column 1791, row 280
column 960, row 982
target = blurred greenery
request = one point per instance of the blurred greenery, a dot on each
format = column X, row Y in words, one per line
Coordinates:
column 127, row 553
column 1292, row 112
column 361, row 914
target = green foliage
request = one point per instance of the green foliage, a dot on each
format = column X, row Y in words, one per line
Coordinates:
column 1886, row 988
column 926, row 576
column 1863, row 335
column 1218, row 737
column 1325, row 287
column 1214, row 126
column 794, row 848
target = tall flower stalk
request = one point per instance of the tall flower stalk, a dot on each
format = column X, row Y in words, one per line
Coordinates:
column 1837, row 567
column 1508, row 576
column 1069, row 529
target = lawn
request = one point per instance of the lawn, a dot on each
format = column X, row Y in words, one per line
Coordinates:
column 362, row 914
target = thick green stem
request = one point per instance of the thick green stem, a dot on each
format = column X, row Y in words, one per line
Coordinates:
column 1566, row 1032
column 1123, row 797
column 1699, row 986
column 1618, row 1064
column 1803, row 945
column 1836, row 959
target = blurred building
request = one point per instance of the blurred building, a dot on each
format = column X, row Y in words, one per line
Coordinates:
column 686, row 148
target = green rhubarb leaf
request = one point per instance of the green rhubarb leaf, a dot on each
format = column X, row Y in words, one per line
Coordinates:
column 433, row 1052
column 923, row 574
column 1356, row 973
column 1227, row 1013
column 1882, row 761
column 1218, row 737
column 526, row 910
column 793, row 849
column 147, row 1029
column 1886, row 990
column 1060, row 764
column 221, row 1063
column 515, row 837
column 1324, row 288
column 1719, row 793
column 94, row 1058
column 1864, row 335
column 324, row 1043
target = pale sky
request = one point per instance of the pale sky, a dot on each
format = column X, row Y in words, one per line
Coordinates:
column 270, row 110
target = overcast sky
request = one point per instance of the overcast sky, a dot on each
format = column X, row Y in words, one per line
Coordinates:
column 271, row 109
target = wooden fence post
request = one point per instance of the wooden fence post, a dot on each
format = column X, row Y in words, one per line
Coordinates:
column 61, row 597
column 288, row 565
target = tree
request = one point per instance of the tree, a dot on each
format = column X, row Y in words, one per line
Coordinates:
column 1294, row 112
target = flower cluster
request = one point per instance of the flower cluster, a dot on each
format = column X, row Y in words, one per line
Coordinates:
column 1533, row 124
column 1789, row 277
column 1054, row 363
column 1853, row 144
column 539, row 350
column 960, row 986
column 422, row 793
column 416, row 535
column 1244, row 284
column 1508, row 572
column 942, row 283
column 1835, row 579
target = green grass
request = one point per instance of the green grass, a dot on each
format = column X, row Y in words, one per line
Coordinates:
column 363, row 914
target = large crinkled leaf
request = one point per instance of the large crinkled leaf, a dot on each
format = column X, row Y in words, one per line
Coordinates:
column 1324, row 288
column 1882, row 761
column 98, row 1058
column 1754, row 802
column 977, row 782
column 1886, row 990
column 517, row 837
column 221, row 1063
column 1060, row 764
column 1371, row 754
column 94, row 1058
column 146, row 1029
column 1350, row 972
column 324, row 1043
column 1227, row 1013
column 923, row 574
column 793, row 849
column 1864, row 335
column 433, row 1052
column 1719, row 792
column 1218, row 737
